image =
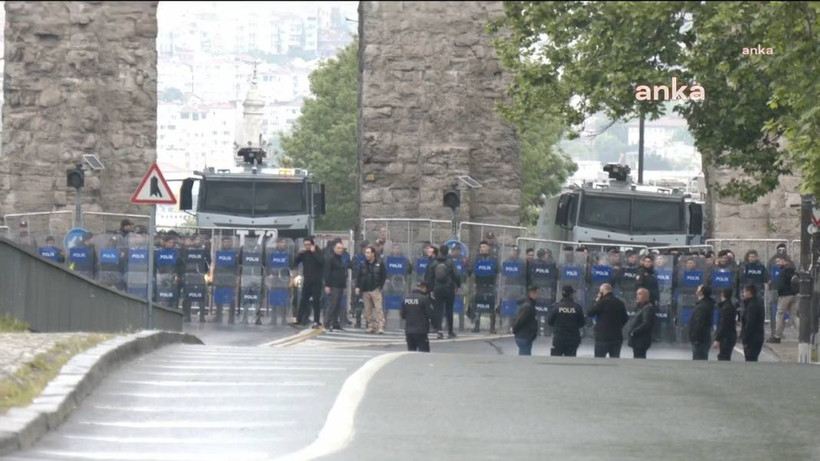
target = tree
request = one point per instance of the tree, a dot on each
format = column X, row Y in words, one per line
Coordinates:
column 323, row 139
column 545, row 167
column 573, row 59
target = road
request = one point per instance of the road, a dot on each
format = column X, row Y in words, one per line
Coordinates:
column 472, row 398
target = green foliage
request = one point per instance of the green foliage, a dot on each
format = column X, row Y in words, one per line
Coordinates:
column 10, row 324
column 544, row 168
column 574, row 59
column 323, row 139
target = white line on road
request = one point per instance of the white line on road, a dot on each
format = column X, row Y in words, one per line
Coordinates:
column 176, row 440
column 209, row 409
column 256, row 368
column 337, row 432
column 139, row 456
column 221, row 383
column 191, row 424
column 220, row 395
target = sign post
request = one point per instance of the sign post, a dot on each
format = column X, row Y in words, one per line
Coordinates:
column 153, row 190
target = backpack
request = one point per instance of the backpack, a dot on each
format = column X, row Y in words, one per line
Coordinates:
column 441, row 274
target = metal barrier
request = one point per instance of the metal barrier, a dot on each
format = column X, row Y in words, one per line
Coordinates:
column 682, row 248
column 32, row 229
column 98, row 223
column 51, row 298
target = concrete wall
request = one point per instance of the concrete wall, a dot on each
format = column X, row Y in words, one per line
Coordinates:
column 80, row 77
column 429, row 81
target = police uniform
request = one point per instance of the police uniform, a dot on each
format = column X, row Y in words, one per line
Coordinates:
column 566, row 319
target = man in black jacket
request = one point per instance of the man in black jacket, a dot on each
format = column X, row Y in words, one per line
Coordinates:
column 612, row 317
column 312, row 262
column 335, row 277
column 370, row 280
column 443, row 281
column 786, row 299
column 752, row 324
column 640, row 333
column 700, row 326
column 417, row 313
column 525, row 325
column 566, row 319
column 726, row 332
column 648, row 279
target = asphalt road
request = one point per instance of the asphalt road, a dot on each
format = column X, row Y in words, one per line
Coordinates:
column 493, row 407
column 215, row 334
column 204, row 403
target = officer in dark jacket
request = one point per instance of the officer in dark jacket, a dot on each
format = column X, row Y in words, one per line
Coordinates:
column 648, row 279
column 417, row 313
column 726, row 332
column 525, row 325
column 700, row 326
column 335, row 278
column 566, row 319
column 640, row 332
column 612, row 317
column 370, row 280
column 442, row 279
column 312, row 262
column 752, row 325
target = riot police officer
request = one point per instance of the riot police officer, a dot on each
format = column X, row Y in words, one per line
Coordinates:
column 752, row 272
column 167, row 271
column 566, row 319
column 196, row 262
column 485, row 269
column 51, row 251
column 543, row 272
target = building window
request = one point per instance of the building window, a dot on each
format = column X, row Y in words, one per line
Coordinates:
column 186, row 115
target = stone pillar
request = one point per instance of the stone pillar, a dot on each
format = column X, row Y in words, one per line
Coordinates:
column 80, row 77
column 429, row 82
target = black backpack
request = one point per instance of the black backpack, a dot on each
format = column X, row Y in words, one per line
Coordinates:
column 441, row 274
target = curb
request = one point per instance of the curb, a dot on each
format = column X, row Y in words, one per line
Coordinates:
column 774, row 352
column 295, row 339
column 20, row 428
column 353, row 345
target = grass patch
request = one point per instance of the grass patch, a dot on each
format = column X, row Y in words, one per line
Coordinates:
column 30, row 380
column 10, row 324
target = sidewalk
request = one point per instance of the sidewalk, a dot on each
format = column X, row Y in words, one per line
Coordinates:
column 786, row 351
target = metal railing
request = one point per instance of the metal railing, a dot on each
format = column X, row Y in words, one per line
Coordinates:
column 49, row 297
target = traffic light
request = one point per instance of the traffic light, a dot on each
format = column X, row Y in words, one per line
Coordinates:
column 75, row 177
column 452, row 198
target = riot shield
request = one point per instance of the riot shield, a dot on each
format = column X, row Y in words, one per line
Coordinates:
column 459, row 255
column 196, row 261
column 543, row 273
column 136, row 265
column 112, row 262
column 421, row 259
column 225, row 275
column 484, row 286
column 627, row 284
column 573, row 270
column 396, row 286
column 664, row 326
column 279, row 280
column 690, row 275
column 722, row 276
column 601, row 271
column 167, row 270
column 512, row 280
column 252, row 269
column 82, row 258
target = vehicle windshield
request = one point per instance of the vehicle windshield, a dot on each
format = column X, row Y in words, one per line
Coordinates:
column 626, row 214
column 253, row 198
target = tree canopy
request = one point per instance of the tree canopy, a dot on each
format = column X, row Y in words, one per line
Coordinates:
column 323, row 139
column 761, row 113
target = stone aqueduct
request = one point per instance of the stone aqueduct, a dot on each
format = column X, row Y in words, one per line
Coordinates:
column 81, row 77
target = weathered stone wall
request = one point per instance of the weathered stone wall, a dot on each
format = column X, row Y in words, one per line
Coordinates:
column 80, row 77
column 429, row 82
column 774, row 216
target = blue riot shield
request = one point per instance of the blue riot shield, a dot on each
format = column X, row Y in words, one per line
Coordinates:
column 279, row 277
column 251, row 274
column 664, row 271
column 690, row 276
column 136, row 266
column 512, row 286
column 167, row 264
column 225, row 279
column 485, row 289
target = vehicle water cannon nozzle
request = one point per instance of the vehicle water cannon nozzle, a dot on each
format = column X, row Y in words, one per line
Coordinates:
column 617, row 171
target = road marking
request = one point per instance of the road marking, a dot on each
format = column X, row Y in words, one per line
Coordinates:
column 217, row 367
column 222, row 383
column 209, row 409
column 337, row 432
column 139, row 456
column 176, row 395
column 211, row 374
column 298, row 337
column 175, row 440
column 190, row 424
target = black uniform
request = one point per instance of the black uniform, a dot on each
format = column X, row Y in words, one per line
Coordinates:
column 700, row 328
column 726, row 333
column 566, row 319
column 444, row 289
column 197, row 263
column 335, row 279
column 312, row 262
column 417, row 312
column 640, row 333
column 649, row 280
column 752, row 328
column 609, row 326
column 525, row 325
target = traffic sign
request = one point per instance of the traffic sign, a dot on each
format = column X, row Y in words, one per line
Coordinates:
column 815, row 216
column 73, row 237
column 153, row 189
